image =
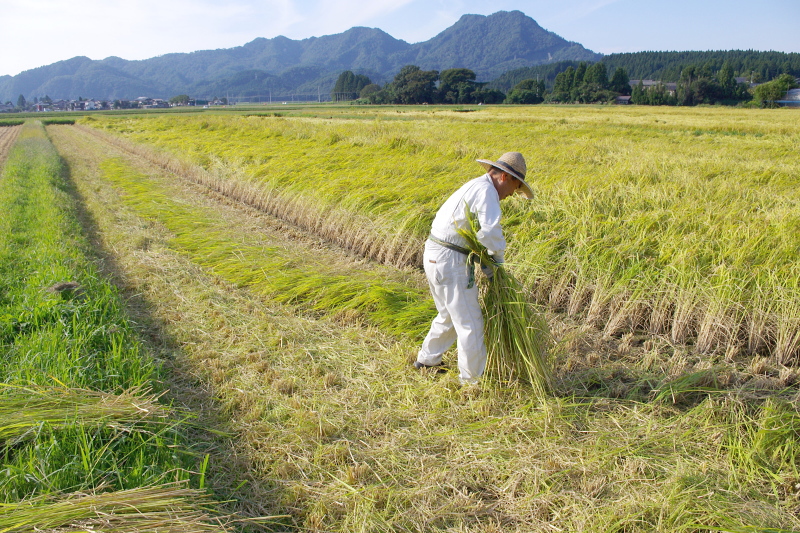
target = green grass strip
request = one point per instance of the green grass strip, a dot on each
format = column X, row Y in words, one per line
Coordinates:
column 58, row 317
column 62, row 321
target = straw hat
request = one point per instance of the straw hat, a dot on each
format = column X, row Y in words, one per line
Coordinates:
column 513, row 163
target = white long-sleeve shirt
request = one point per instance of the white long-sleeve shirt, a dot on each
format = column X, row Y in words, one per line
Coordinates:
column 482, row 198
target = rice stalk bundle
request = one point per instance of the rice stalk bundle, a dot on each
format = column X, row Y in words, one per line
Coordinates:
column 163, row 509
column 23, row 409
column 517, row 336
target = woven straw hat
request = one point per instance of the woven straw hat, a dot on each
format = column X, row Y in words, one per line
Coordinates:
column 514, row 164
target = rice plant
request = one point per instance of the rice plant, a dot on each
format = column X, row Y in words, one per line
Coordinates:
column 517, row 336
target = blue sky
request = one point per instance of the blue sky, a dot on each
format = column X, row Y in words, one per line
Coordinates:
column 39, row 32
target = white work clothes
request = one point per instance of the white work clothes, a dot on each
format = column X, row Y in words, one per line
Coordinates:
column 459, row 313
column 482, row 198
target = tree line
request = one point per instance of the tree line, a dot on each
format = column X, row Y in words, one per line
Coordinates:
column 757, row 67
column 576, row 82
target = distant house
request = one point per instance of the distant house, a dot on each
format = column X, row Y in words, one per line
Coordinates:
column 622, row 100
column 155, row 103
column 671, row 87
column 6, row 108
column 746, row 81
column 792, row 99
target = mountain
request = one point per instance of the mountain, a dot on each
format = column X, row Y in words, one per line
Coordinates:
column 488, row 45
column 494, row 44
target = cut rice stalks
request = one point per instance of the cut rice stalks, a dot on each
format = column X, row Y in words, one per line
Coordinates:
column 517, row 337
column 163, row 509
column 22, row 409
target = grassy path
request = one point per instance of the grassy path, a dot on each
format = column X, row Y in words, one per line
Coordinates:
column 333, row 430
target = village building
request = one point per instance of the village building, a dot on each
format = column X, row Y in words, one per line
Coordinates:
column 792, row 99
column 671, row 87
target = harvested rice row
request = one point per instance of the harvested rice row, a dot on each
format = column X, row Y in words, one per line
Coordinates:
column 167, row 508
column 317, row 280
column 382, row 240
column 8, row 135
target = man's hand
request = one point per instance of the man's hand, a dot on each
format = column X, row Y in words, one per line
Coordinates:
column 488, row 271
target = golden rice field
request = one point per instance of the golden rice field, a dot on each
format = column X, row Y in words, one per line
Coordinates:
column 681, row 223
column 295, row 354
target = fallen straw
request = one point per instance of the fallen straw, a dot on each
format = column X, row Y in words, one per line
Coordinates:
column 22, row 409
column 157, row 509
column 517, row 336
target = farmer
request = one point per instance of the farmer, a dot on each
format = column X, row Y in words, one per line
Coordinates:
column 445, row 261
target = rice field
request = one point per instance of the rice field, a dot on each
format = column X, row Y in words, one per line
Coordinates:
column 282, row 298
column 681, row 223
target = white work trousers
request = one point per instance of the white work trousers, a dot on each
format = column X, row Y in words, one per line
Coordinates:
column 459, row 317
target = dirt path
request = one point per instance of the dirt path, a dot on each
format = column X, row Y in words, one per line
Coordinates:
column 7, row 137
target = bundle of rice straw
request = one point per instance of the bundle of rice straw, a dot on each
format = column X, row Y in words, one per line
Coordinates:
column 170, row 508
column 517, row 336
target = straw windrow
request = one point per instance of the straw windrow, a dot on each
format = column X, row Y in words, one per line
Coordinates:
column 163, row 508
column 25, row 408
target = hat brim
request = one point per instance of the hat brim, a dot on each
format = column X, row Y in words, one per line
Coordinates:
column 525, row 190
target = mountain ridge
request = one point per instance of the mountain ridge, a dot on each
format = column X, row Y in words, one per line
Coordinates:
column 486, row 44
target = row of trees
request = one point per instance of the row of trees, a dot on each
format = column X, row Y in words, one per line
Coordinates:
column 23, row 104
column 589, row 84
column 698, row 84
column 412, row 85
column 757, row 67
column 583, row 84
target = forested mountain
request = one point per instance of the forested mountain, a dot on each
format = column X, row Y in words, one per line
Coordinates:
column 488, row 45
column 492, row 45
